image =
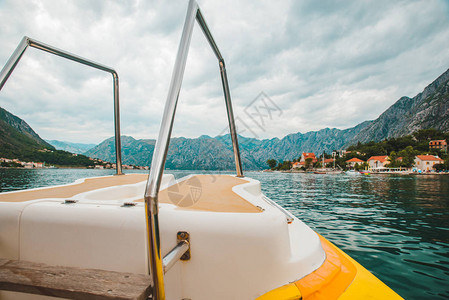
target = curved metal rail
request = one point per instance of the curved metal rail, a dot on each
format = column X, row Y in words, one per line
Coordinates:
column 20, row 50
column 163, row 141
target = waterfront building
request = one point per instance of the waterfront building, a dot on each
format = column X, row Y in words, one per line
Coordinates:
column 38, row 164
column 376, row 162
column 306, row 155
column 351, row 162
column 425, row 163
column 297, row 165
column 28, row 165
column 327, row 161
column 302, row 160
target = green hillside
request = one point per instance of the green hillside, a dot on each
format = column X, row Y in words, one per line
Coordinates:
column 15, row 143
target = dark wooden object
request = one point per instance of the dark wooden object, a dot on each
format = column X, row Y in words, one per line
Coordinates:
column 72, row 283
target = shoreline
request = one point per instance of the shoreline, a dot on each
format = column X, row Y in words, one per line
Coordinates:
column 259, row 171
column 370, row 173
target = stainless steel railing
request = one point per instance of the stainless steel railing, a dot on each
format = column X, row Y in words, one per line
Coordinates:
column 28, row 42
column 163, row 141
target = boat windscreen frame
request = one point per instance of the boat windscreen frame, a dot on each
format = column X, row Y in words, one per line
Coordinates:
column 29, row 42
column 155, row 264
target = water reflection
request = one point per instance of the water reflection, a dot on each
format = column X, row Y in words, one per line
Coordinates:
column 19, row 179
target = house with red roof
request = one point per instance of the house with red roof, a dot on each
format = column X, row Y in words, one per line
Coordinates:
column 302, row 160
column 438, row 144
column 306, row 155
column 297, row 165
column 328, row 161
column 426, row 162
column 351, row 162
column 376, row 162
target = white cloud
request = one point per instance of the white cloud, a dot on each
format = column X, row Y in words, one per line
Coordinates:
column 324, row 63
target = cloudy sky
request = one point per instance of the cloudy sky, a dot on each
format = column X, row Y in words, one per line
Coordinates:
column 320, row 63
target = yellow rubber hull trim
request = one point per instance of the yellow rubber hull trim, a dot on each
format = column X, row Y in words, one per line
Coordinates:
column 286, row 292
column 339, row 277
column 367, row 286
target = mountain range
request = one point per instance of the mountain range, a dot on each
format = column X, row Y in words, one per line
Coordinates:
column 428, row 109
column 78, row 148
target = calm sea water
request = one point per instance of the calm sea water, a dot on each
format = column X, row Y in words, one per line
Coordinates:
column 395, row 226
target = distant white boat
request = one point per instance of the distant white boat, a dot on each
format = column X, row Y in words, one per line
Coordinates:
column 327, row 171
column 352, row 172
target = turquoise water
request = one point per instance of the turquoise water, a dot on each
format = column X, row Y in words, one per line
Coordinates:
column 395, row 226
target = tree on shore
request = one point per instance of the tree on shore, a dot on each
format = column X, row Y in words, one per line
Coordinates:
column 439, row 167
column 308, row 163
column 282, row 165
column 271, row 163
column 393, row 158
column 285, row 165
column 364, row 166
column 408, row 157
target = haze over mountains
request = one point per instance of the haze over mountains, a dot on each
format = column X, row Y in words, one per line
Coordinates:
column 78, row 148
column 429, row 109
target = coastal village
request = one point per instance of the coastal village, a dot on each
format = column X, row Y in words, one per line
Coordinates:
column 98, row 164
column 419, row 164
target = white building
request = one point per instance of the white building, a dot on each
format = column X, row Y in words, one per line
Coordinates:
column 353, row 161
column 426, row 162
column 376, row 162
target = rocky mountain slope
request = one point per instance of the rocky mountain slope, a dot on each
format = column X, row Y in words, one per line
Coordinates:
column 215, row 153
column 22, row 127
column 203, row 153
column 134, row 152
column 429, row 109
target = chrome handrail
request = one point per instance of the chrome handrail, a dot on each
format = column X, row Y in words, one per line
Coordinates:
column 20, row 50
column 288, row 216
column 174, row 255
column 160, row 153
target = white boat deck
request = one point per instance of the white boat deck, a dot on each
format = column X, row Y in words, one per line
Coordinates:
column 200, row 192
column 70, row 190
